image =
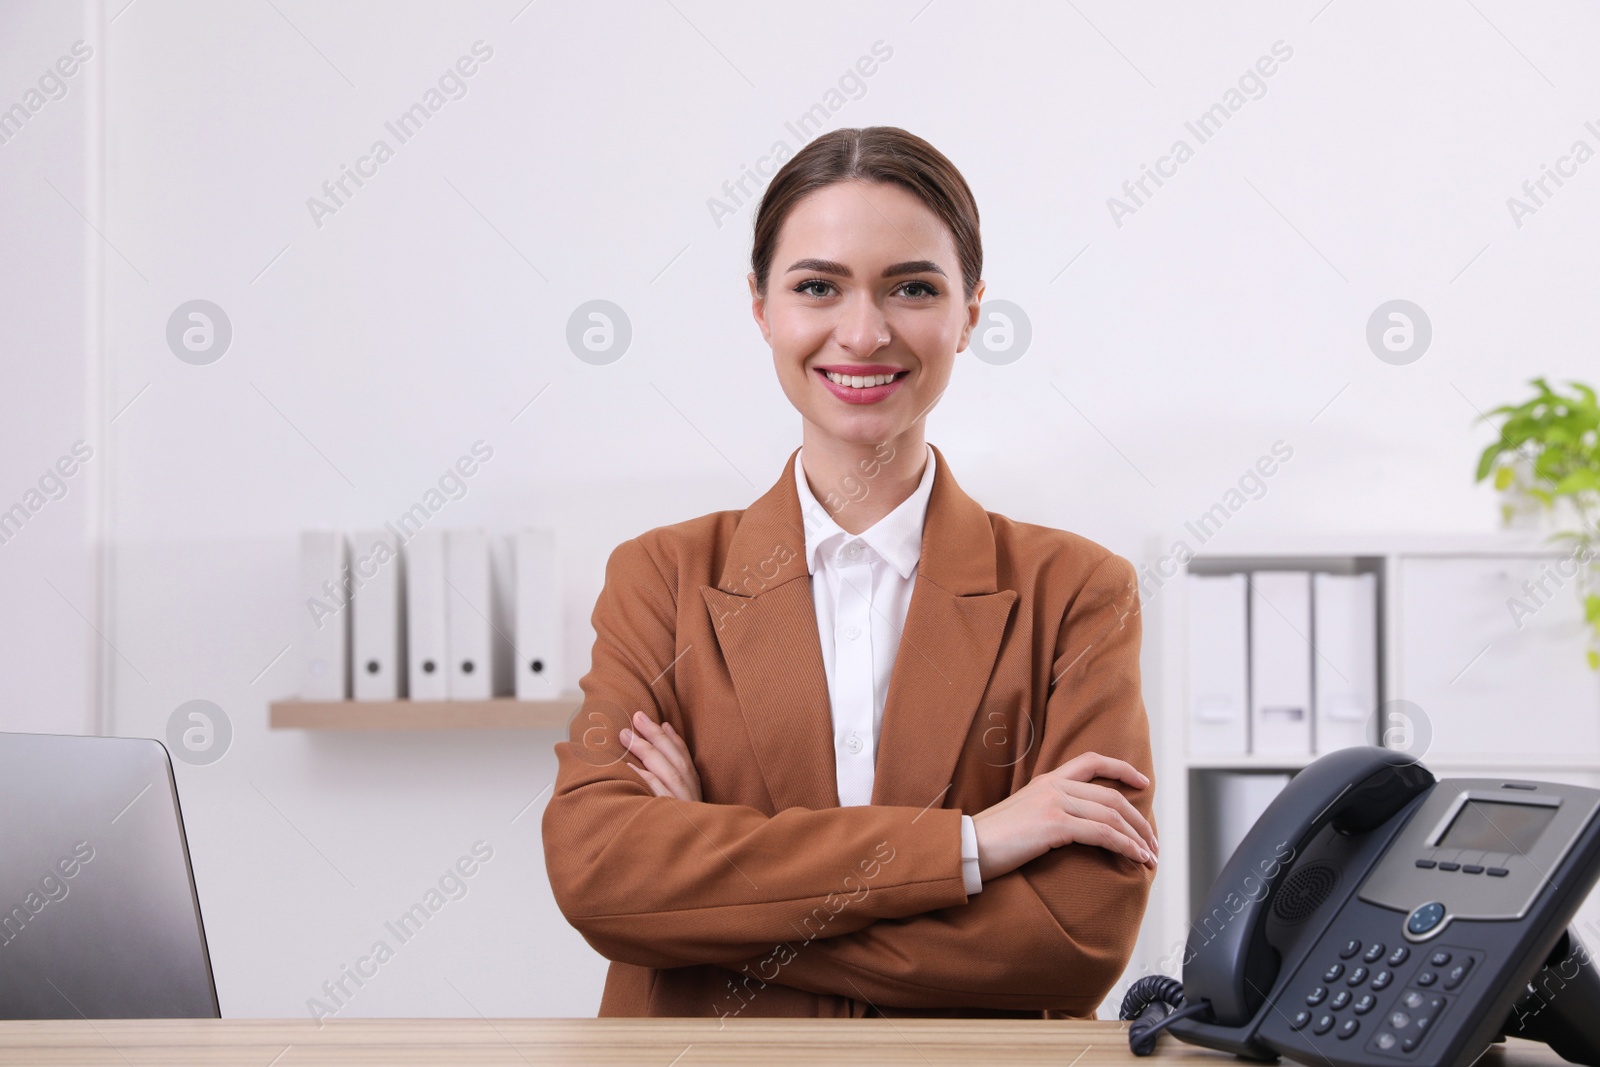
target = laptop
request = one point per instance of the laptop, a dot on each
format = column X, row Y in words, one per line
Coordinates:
column 99, row 918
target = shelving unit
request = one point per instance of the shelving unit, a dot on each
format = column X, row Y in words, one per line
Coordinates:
column 1434, row 593
column 1248, row 763
column 498, row 714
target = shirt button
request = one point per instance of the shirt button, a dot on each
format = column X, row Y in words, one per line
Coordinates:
column 852, row 632
column 853, row 550
column 853, row 743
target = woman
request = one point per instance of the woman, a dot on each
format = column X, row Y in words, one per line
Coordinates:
column 863, row 746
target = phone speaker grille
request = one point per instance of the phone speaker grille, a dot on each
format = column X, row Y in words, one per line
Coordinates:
column 1306, row 890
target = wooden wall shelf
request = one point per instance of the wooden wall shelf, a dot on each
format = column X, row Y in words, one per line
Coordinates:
column 498, row 714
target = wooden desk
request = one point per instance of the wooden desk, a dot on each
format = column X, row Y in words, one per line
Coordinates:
column 621, row 1042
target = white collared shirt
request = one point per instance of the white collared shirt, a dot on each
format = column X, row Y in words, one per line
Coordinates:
column 861, row 585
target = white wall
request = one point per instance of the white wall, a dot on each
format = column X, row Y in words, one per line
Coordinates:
column 1226, row 313
column 49, row 184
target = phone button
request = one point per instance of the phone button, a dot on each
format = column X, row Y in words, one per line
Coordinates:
column 1471, row 868
column 1332, row 973
column 1425, row 918
column 1375, row 953
column 1426, row 978
column 1457, row 974
column 1365, row 1003
column 1348, row 1028
column 1381, row 980
column 1317, row 995
column 1351, row 947
column 1357, row 976
column 1399, row 955
column 1439, row 959
column 1324, row 1024
column 1340, row 999
column 1449, row 866
column 1298, row 1022
column 1497, row 872
column 1425, row 864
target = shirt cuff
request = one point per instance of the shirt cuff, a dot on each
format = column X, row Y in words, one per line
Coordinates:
column 969, row 856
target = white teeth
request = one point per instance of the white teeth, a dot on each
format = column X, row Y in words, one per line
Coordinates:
column 856, row 381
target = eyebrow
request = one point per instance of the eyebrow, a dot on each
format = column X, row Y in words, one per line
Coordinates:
column 830, row 266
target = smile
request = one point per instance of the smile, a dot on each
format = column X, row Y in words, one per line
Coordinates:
column 862, row 388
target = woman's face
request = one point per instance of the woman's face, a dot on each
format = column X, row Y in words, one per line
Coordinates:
column 864, row 283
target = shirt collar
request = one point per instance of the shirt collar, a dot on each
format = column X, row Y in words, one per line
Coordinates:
column 897, row 537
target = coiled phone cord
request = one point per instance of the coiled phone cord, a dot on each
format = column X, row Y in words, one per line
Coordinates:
column 1150, row 1005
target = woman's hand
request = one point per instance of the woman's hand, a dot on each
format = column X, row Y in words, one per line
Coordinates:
column 667, row 769
column 1064, row 806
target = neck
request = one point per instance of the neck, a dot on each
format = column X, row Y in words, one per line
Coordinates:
column 858, row 484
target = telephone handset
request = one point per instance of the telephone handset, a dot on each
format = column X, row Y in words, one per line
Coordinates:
column 1376, row 915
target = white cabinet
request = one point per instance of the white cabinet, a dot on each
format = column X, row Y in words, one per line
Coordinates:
column 1494, row 661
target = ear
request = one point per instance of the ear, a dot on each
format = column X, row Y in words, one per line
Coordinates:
column 758, row 307
column 974, row 312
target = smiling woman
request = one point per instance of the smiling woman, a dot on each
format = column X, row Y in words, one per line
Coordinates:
column 863, row 664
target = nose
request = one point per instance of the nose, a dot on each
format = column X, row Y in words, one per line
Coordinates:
column 862, row 328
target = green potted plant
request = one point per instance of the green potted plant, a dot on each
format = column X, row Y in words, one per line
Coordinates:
column 1546, row 463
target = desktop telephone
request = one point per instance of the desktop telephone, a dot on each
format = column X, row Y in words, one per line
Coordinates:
column 1375, row 915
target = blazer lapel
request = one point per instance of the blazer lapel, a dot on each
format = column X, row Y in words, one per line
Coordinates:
column 765, row 623
column 948, row 648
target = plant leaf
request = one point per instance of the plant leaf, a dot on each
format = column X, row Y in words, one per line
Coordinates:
column 1579, row 480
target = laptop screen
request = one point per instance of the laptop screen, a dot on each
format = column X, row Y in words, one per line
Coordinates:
column 98, row 913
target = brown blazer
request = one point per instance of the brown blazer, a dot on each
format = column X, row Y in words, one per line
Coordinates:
column 1020, row 650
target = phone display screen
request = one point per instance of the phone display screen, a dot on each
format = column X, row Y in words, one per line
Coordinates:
column 1496, row 827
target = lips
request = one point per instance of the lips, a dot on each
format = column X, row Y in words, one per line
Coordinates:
column 871, row 394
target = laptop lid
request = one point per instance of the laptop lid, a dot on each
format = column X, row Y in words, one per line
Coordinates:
column 99, row 917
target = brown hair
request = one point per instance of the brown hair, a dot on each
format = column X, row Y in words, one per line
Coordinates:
column 877, row 154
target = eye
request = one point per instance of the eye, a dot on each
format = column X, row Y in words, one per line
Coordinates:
column 804, row 288
column 928, row 289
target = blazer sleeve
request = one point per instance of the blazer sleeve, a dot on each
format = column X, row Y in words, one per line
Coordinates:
column 1057, row 932
column 661, row 882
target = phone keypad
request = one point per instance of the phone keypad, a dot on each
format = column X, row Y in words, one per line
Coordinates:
column 1393, row 1023
column 1416, row 1008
